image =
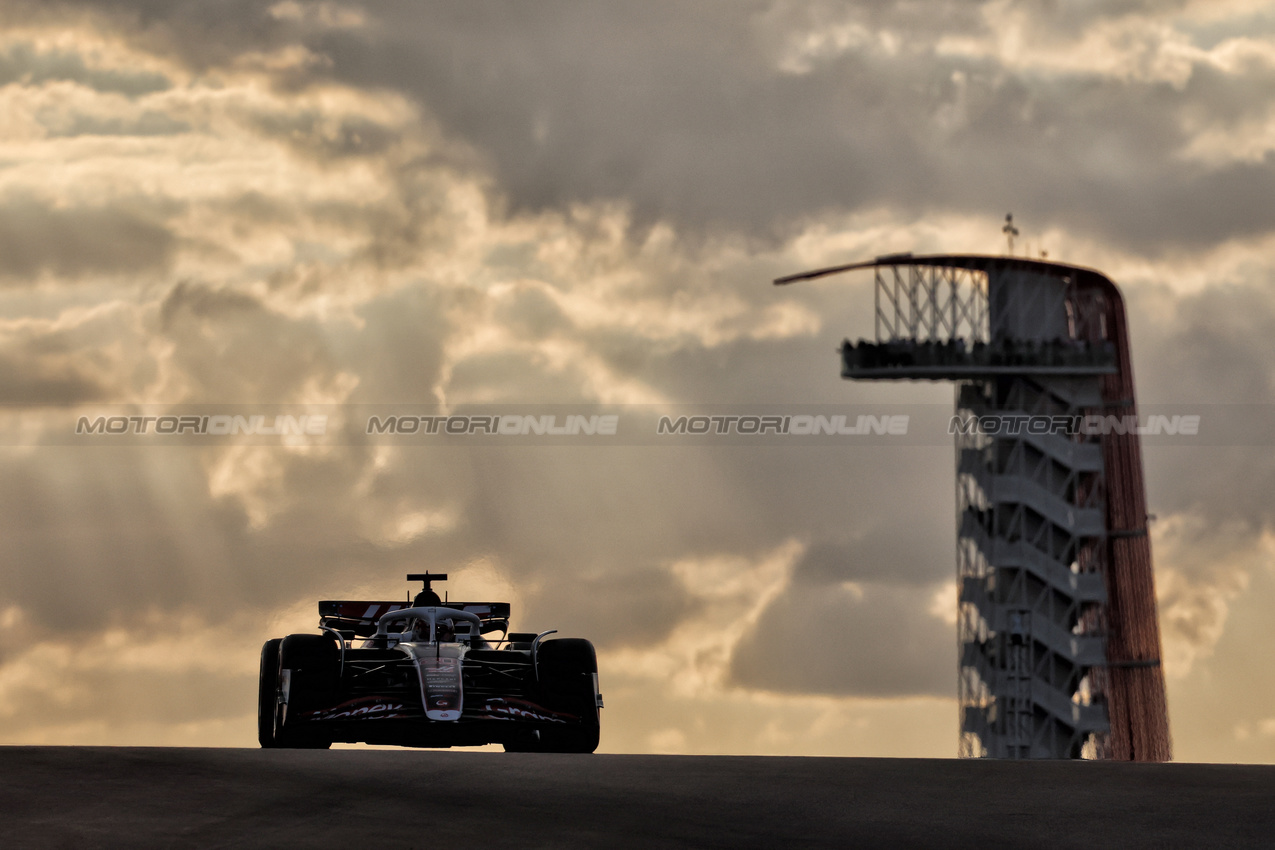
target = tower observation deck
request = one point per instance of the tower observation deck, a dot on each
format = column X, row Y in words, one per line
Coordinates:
column 1059, row 641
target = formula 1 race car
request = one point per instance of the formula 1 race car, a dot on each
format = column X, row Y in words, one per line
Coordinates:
column 424, row 675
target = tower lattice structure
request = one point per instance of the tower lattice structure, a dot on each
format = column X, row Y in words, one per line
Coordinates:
column 1059, row 640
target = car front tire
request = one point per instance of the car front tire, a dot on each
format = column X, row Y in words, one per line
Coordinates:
column 567, row 669
column 313, row 661
column 268, row 694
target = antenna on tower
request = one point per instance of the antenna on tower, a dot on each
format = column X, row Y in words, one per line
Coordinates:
column 1010, row 231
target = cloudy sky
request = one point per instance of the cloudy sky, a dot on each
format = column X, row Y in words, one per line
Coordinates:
column 321, row 205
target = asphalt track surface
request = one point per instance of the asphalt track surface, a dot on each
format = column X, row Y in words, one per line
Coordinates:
column 156, row 797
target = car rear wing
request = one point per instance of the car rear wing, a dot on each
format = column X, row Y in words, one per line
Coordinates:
column 360, row 617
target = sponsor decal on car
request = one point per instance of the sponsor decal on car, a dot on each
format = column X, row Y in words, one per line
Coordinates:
column 509, row 708
column 440, row 687
column 363, row 708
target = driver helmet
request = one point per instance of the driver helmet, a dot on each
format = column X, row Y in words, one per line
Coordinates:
column 421, row 630
column 446, row 632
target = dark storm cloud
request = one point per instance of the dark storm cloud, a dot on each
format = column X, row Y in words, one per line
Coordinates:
column 682, row 112
column 822, row 638
column 1212, row 350
column 874, row 638
column 514, row 378
column 671, row 108
column 202, row 33
column 1209, row 347
column 1224, row 484
column 400, row 356
column 235, row 349
column 531, row 312
column 148, row 123
column 614, row 608
column 25, row 382
column 881, row 555
column 311, row 133
column 25, row 64
column 74, row 242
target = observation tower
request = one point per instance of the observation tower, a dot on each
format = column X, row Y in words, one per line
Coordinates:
column 1059, row 641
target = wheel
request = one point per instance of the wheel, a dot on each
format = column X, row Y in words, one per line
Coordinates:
column 268, row 693
column 312, row 662
column 568, row 670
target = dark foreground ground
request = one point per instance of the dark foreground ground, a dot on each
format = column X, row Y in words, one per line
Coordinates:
column 142, row 797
